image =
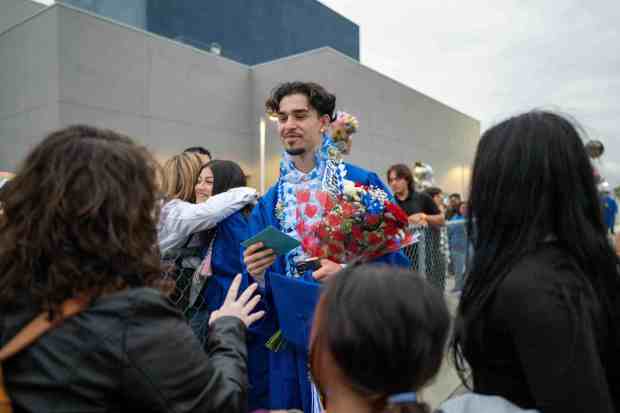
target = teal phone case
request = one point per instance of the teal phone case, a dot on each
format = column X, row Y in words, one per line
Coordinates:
column 273, row 239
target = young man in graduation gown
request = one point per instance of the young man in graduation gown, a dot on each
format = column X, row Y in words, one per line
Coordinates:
column 304, row 112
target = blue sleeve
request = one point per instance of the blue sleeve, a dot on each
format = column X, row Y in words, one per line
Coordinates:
column 374, row 180
column 268, row 324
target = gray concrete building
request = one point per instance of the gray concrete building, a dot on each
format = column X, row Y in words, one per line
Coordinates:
column 62, row 65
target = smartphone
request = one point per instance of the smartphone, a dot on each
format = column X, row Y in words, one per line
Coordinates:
column 309, row 265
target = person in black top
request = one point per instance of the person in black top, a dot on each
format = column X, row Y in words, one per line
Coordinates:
column 422, row 210
column 419, row 206
column 538, row 318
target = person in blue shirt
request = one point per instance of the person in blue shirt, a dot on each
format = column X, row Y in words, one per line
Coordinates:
column 610, row 210
column 304, row 112
column 458, row 244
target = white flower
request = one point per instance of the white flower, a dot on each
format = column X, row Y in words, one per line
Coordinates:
column 349, row 187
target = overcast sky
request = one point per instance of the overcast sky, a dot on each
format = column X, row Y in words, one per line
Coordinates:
column 491, row 59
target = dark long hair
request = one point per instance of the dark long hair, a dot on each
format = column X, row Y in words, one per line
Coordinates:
column 384, row 328
column 79, row 217
column 226, row 175
column 531, row 179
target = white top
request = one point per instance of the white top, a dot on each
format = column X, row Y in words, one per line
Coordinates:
column 179, row 219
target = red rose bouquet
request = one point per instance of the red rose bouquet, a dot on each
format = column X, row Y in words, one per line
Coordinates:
column 360, row 223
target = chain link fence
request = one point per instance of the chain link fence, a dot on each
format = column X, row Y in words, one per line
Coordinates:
column 184, row 287
column 440, row 252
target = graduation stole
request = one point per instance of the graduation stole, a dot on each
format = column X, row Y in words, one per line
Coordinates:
column 327, row 176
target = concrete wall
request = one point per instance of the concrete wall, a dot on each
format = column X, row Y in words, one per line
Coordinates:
column 166, row 95
column 66, row 66
column 13, row 12
column 397, row 123
column 28, row 85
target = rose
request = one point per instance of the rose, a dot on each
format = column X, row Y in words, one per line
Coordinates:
column 391, row 230
column 397, row 212
column 325, row 200
column 392, row 245
column 348, row 210
column 357, row 233
column 372, row 220
column 334, row 220
column 338, row 236
column 374, row 239
column 334, row 249
column 322, row 232
column 309, row 243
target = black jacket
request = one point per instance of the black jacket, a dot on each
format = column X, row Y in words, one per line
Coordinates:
column 129, row 351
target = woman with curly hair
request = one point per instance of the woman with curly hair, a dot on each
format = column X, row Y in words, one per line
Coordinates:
column 78, row 250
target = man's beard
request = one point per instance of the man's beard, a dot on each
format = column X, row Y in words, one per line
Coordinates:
column 295, row 151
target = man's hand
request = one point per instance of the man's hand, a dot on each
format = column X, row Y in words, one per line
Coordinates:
column 239, row 307
column 418, row 219
column 328, row 268
column 257, row 261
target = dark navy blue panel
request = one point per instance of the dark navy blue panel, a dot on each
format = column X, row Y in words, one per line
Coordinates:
column 131, row 12
column 249, row 31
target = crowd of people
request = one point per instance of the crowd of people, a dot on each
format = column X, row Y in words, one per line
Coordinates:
column 124, row 285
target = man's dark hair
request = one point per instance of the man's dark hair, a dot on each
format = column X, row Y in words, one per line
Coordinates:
column 455, row 195
column 80, row 217
column 402, row 171
column 319, row 99
column 198, row 149
column 433, row 191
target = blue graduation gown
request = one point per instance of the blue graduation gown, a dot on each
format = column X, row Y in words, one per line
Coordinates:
column 225, row 264
column 290, row 304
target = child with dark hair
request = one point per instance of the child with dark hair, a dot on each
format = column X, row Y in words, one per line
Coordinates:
column 378, row 337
